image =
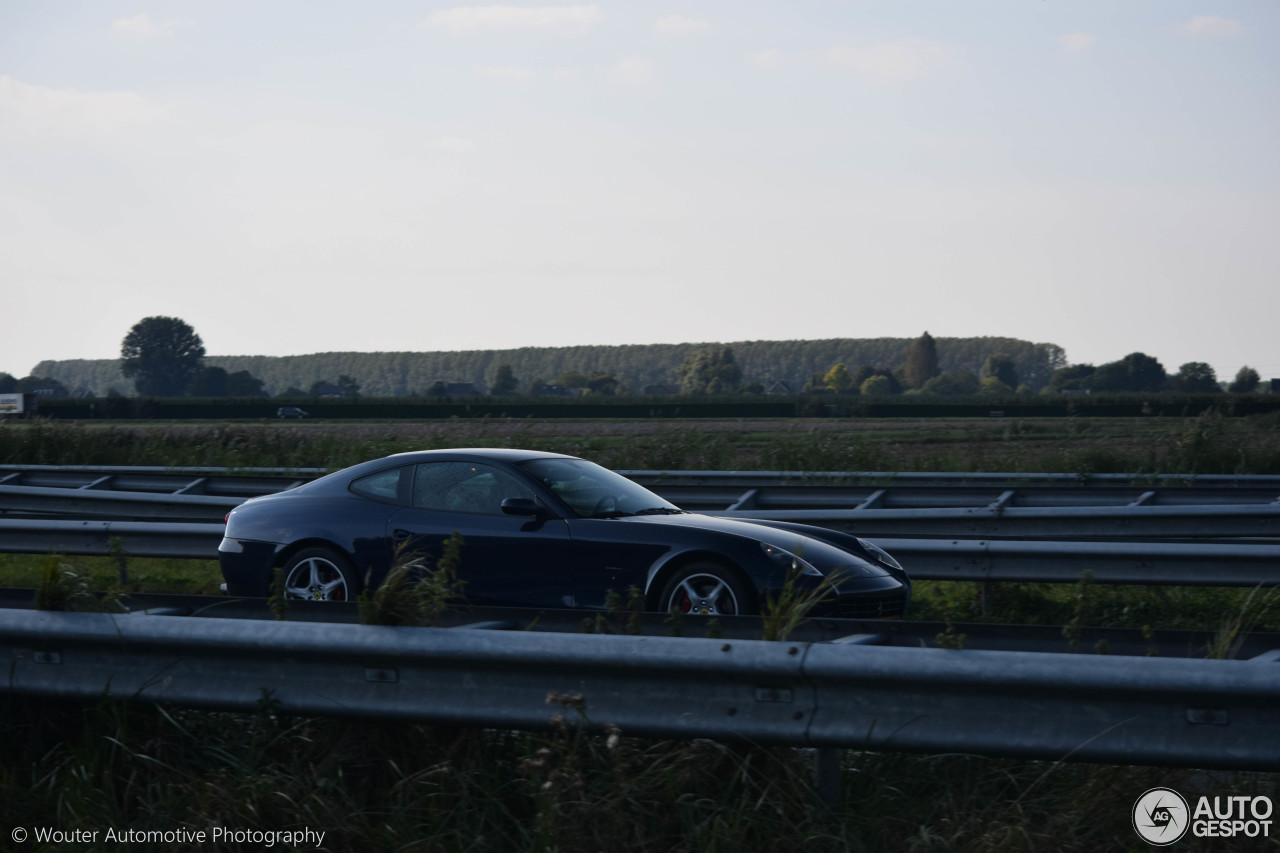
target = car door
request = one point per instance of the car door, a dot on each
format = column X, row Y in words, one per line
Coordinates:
column 506, row 560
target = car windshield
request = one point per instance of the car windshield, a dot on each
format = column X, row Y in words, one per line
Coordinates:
column 595, row 492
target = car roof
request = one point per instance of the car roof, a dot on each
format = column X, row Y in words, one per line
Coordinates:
column 338, row 479
column 475, row 454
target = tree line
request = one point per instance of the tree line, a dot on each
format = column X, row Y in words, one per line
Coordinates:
column 164, row 357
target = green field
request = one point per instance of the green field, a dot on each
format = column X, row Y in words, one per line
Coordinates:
column 1209, row 443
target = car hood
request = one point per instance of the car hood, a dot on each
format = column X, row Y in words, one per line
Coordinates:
column 820, row 554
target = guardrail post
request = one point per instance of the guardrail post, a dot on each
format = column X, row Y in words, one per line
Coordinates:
column 826, row 774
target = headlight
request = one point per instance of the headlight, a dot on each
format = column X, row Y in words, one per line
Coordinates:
column 881, row 555
column 786, row 560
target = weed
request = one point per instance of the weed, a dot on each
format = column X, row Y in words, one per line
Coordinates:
column 1251, row 612
column 790, row 607
column 1080, row 619
column 412, row 593
column 60, row 588
column 277, row 601
column 950, row 639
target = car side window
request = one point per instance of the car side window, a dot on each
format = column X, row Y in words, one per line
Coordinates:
column 465, row 487
column 382, row 486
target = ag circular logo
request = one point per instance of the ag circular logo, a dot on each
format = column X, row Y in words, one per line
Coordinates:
column 1161, row 816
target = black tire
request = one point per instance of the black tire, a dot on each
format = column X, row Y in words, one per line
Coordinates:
column 320, row 574
column 706, row 589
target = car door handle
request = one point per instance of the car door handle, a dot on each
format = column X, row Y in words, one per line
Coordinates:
column 400, row 535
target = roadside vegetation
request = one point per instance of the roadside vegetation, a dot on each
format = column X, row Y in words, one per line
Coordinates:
column 378, row 786
column 1208, row 443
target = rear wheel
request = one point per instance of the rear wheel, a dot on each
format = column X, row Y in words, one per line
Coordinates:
column 705, row 589
column 320, row 574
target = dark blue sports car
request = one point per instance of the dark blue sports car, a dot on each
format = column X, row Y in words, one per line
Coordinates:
column 542, row 530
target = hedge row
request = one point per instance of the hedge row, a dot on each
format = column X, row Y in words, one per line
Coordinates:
column 915, row 406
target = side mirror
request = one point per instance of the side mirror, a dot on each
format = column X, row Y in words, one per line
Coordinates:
column 521, row 506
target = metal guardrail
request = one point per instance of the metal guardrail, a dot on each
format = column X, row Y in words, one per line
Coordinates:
column 1153, row 563
column 1204, row 713
column 1185, row 564
column 1012, row 522
column 803, row 496
column 999, row 520
column 241, row 482
column 169, row 513
column 976, row 512
column 94, row 538
column 83, row 503
column 949, row 479
column 980, row 636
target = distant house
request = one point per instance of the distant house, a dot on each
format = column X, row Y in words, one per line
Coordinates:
column 327, row 389
column 1275, row 386
column 556, row 391
column 779, row 387
column 460, row 389
column 663, row 390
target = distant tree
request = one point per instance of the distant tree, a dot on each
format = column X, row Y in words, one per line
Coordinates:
column 161, row 355
column 815, row 385
column 1195, row 377
column 1074, row 377
column 894, row 376
column 752, row 388
column 536, row 386
column 1148, row 373
column 573, row 379
column 8, row 384
column 350, row 387
column 504, row 381
column 1135, row 372
column 292, row 391
column 709, row 370
column 1246, row 381
column 993, row 385
column 838, row 380
column 603, row 384
column 209, row 382
column 862, row 374
column 1112, row 376
column 922, row 361
column 44, row 385
column 242, row 383
column 956, row 382
column 1001, row 366
column 877, row 384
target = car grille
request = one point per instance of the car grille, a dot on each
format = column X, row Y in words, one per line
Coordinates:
column 883, row 606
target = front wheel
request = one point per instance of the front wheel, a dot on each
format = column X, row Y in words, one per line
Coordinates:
column 319, row 574
column 705, row 589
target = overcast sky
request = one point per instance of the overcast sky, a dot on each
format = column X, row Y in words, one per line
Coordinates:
column 298, row 177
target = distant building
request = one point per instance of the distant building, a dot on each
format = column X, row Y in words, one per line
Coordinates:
column 327, row 389
column 556, row 391
column 779, row 387
column 1275, row 386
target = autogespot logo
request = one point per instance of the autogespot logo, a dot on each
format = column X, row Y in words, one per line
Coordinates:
column 1160, row 816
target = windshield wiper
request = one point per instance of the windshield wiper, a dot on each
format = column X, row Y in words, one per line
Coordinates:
column 613, row 513
column 660, row 510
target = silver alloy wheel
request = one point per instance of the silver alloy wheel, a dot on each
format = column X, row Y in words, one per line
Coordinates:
column 704, row 595
column 316, row 578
